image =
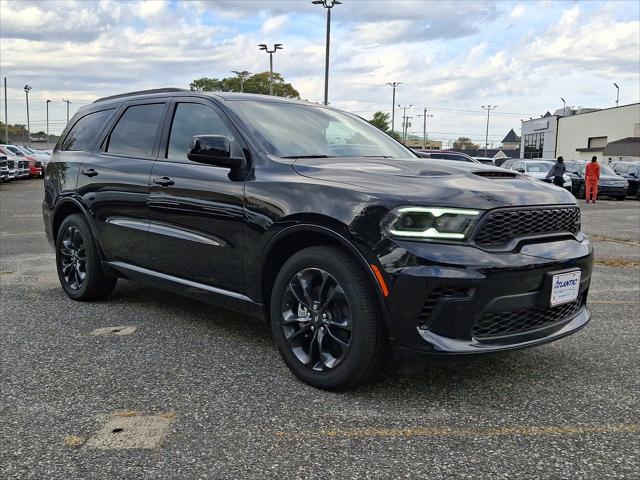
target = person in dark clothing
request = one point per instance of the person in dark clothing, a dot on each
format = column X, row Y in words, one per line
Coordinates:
column 557, row 171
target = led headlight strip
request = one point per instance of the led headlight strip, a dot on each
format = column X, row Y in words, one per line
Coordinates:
column 431, row 232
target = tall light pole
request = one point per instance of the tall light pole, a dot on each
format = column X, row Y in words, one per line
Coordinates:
column 67, row 101
column 48, row 102
column 488, row 108
column 424, row 127
column 328, row 4
column 6, row 119
column 618, row 93
column 277, row 46
column 27, row 88
column 564, row 106
column 393, row 104
column 404, row 121
column 241, row 75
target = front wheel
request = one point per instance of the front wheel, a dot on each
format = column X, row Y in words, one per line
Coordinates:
column 324, row 320
column 78, row 262
column 620, row 198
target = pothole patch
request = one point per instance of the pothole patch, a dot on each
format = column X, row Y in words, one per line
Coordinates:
column 125, row 430
column 117, row 331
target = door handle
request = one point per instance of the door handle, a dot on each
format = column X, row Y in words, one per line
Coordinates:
column 163, row 181
column 90, row 172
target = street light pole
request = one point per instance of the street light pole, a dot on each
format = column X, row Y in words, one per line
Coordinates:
column 48, row 102
column 488, row 108
column 328, row 4
column 393, row 104
column 241, row 75
column 67, row 101
column 617, row 93
column 6, row 119
column 27, row 88
column 564, row 106
column 277, row 46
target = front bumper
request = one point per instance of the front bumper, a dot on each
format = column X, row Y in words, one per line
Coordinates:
column 455, row 299
column 613, row 190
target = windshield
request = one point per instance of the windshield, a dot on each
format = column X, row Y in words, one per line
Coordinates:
column 15, row 151
column 292, row 130
column 604, row 169
column 539, row 167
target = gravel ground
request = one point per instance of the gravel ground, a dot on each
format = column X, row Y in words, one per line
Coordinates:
column 228, row 408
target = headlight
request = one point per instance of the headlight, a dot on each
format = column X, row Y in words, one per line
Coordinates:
column 430, row 223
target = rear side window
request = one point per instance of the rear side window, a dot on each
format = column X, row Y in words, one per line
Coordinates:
column 84, row 132
column 136, row 131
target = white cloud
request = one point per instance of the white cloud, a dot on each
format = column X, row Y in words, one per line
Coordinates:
column 274, row 24
column 518, row 11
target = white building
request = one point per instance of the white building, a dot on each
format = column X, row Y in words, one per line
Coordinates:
column 581, row 134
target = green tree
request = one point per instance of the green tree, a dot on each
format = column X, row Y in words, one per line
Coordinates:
column 257, row 83
column 464, row 143
column 381, row 120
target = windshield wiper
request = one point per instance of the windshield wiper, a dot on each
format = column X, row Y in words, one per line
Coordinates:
column 307, row 156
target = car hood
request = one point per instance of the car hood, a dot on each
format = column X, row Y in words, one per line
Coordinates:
column 424, row 181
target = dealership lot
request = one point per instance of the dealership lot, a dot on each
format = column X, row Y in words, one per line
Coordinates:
column 200, row 392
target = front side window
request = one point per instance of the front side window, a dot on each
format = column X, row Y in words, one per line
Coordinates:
column 84, row 132
column 135, row 133
column 538, row 167
column 291, row 130
column 191, row 119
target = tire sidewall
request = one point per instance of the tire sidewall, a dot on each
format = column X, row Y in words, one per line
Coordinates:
column 361, row 313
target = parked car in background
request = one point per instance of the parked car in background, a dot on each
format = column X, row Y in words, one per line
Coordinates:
column 610, row 185
column 4, row 168
column 30, row 164
column 445, row 155
column 485, row 160
column 539, row 169
column 11, row 166
column 631, row 173
column 505, row 162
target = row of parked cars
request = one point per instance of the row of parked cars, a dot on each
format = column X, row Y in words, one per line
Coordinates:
column 617, row 180
column 18, row 162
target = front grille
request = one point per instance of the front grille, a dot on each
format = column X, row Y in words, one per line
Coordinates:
column 500, row 226
column 492, row 174
column 435, row 296
column 520, row 321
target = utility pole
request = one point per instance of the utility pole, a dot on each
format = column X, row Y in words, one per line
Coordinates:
column 67, row 101
column 404, row 121
column 617, row 94
column 407, row 124
column 424, row 127
column 393, row 104
column 241, row 75
column 488, row 108
column 328, row 4
column 27, row 88
column 6, row 119
column 564, row 106
column 48, row 102
column 277, row 46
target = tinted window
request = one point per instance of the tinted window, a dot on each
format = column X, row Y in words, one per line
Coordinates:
column 192, row 119
column 84, row 132
column 621, row 168
column 135, row 133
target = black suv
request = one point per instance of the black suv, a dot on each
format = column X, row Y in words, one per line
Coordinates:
column 350, row 246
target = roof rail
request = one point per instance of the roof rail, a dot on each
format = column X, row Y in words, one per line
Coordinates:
column 141, row 92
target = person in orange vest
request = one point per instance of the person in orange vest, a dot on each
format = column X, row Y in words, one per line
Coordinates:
column 591, row 178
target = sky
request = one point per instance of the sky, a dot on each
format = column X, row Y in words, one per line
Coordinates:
column 451, row 57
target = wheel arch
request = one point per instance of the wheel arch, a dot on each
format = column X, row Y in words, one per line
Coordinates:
column 297, row 237
column 69, row 206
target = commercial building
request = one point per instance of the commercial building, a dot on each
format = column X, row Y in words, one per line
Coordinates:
column 609, row 134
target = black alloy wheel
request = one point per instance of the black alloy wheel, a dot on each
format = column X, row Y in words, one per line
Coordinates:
column 316, row 319
column 325, row 319
column 78, row 261
column 73, row 258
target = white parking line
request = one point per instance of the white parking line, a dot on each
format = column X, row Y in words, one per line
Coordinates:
column 5, row 234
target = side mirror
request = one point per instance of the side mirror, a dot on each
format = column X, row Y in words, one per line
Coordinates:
column 521, row 170
column 213, row 150
column 633, row 174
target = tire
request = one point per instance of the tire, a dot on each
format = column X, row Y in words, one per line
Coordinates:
column 351, row 303
column 78, row 262
column 620, row 198
column 582, row 192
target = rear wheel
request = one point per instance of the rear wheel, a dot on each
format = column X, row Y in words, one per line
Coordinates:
column 78, row 262
column 620, row 198
column 324, row 319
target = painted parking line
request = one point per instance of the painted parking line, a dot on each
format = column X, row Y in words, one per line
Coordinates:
column 614, row 302
column 5, row 234
column 466, row 432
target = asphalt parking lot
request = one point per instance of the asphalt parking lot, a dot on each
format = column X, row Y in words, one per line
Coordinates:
column 206, row 390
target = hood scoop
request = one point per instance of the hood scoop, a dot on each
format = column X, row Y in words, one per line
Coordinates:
column 495, row 174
